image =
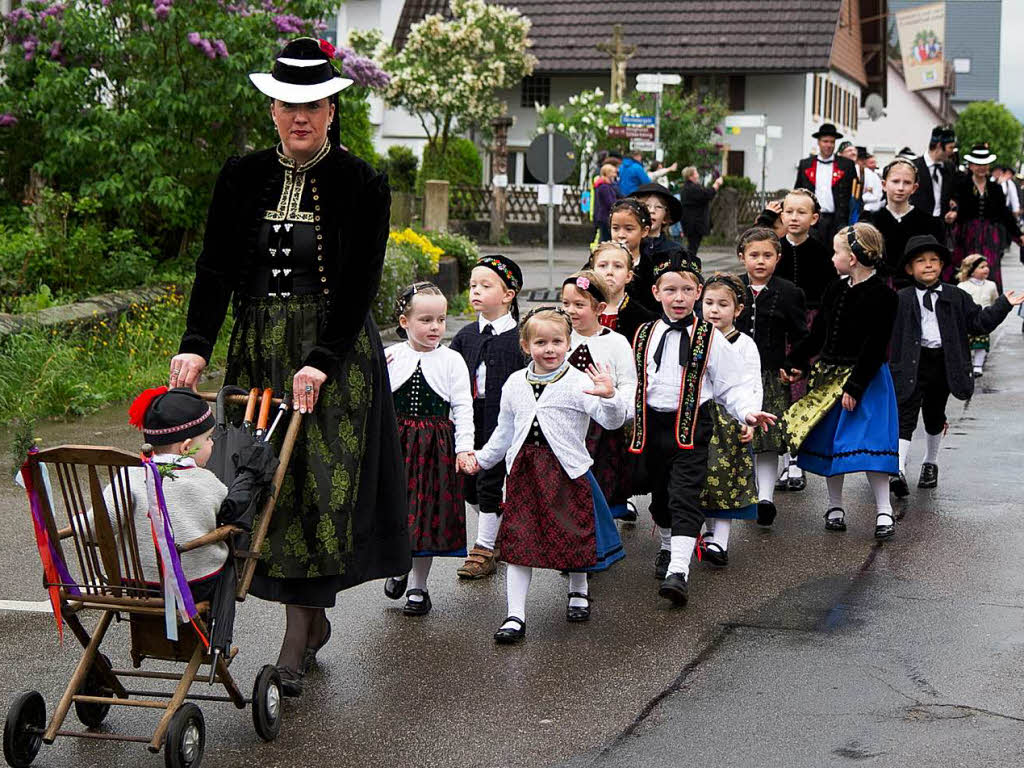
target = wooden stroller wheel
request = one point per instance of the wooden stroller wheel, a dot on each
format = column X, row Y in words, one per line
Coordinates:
column 23, row 731
column 89, row 714
column 186, row 738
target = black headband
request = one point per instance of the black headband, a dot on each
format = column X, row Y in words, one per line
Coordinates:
column 288, row 73
column 801, row 191
column 854, row 243
column 975, row 265
column 737, row 291
column 584, row 283
column 643, row 215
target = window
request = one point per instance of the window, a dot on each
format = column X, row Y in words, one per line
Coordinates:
column 737, row 93
column 817, row 96
column 962, row 66
column 734, row 163
column 536, row 90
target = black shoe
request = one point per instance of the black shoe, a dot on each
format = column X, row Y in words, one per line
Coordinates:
column 395, row 587
column 766, row 513
column 675, row 588
column 578, row 614
column 417, row 607
column 661, row 564
column 929, row 476
column 291, row 681
column 835, row 523
column 898, row 486
column 510, row 635
column 782, row 482
column 797, row 483
column 886, row 530
column 630, row 516
column 714, row 554
column 309, row 655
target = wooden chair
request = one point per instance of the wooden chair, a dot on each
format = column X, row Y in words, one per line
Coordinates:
column 102, row 553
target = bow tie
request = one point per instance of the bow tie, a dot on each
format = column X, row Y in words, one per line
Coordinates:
column 682, row 325
column 928, row 291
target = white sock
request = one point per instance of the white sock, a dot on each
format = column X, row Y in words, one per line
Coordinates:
column 794, row 470
column 721, row 532
column 904, row 454
column 578, row 583
column 517, row 585
column 666, row 537
column 682, row 551
column 931, row 453
column 879, row 482
column 767, row 465
column 418, row 575
column 487, row 529
column 835, row 491
column 979, row 357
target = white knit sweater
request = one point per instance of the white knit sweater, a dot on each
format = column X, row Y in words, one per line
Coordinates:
column 984, row 292
column 611, row 349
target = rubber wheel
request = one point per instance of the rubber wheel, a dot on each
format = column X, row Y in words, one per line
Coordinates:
column 186, row 738
column 23, row 731
column 266, row 703
column 93, row 715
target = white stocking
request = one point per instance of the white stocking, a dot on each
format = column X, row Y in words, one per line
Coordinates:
column 487, row 529
column 578, row 583
column 879, row 482
column 682, row 551
column 767, row 465
column 721, row 532
column 418, row 575
column 517, row 584
column 835, row 493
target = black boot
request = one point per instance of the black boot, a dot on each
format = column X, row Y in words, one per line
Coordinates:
column 929, row 475
column 675, row 588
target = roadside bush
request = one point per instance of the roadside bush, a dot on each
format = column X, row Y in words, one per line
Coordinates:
column 460, row 164
column 410, row 257
column 464, row 250
column 400, row 166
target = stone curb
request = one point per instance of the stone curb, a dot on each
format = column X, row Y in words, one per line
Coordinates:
column 103, row 307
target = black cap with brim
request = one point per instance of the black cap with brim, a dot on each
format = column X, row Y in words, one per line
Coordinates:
column 302, row 73
column 923, row 243
column 675, row 208
column 827, row 129
column 677, row 259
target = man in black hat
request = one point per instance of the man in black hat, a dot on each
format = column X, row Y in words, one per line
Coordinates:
column 830, row 178
column 935, row 172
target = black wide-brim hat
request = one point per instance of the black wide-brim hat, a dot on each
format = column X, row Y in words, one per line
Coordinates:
column 675, row 208
column 920, row 244
column 302, row 73
column 827, row 129
column 980, row 154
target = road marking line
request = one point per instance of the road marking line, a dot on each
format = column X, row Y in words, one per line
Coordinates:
column 28, row 606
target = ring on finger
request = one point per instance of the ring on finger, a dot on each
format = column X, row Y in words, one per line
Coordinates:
column 309, row 388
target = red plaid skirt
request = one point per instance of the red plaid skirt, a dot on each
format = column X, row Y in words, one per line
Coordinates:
column 548, row 520
column 613, row 466
column 437, row 514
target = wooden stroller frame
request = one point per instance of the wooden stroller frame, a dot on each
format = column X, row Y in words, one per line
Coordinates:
column 112, row 582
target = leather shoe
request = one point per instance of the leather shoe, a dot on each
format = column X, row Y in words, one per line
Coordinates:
column 511, row 635
column 898, row 486
column 929, row 476
column 417, row 607
column 796, row 483
column 766, row 513
column 675, row 588
column 395, row 587
column 291, row 681
column 835, row 523
column 578, row 614
column 661, row 564
column 885, row 530
column 309, row 655
column 714, row 554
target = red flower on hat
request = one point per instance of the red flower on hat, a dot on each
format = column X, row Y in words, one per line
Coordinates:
column 327, row 48
column 137, row 410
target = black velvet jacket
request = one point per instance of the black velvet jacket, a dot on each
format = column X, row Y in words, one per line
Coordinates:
column 808, row 266
column 853, row 328
column 632, row 316
column 895, row 235
column 776, row 320
column 991, row 206
column 352, row 202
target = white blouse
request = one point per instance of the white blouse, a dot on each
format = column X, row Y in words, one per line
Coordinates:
column 446, row 373
column 984, row 292
column 611, row 349
column 727, row 378
column 747, row 349
column 563, row 412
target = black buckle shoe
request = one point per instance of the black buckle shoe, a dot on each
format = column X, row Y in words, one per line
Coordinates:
column 661, row 564
column 291, row 681
column 715, row 555
column 578, row 614
column 766, row 513
column 898, row 486
column 797, row 483
column 630, row 515
column 835, row 523
column 675, row 588
column 510, row 635
column 929, row 475
column 782, row 482
column 417, row 607
column 395, row 587
column 885, row 530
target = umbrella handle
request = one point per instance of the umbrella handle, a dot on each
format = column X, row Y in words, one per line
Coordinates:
column 261, row 424
column 250, row 407
column 230, row 389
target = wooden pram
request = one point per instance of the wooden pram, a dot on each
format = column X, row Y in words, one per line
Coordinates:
column 108, row 579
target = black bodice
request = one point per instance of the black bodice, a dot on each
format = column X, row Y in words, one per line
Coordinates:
column 536, row 436
column 415, row 398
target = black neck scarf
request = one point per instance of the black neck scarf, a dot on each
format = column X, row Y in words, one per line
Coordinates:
column 935, row 288
column 683, row 326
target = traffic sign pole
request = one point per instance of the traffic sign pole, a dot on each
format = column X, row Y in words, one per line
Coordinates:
column 551, row 200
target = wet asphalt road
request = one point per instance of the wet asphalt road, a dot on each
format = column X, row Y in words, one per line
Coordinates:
column 811, row 649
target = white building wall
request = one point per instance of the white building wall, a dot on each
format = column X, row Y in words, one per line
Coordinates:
column 908, row 121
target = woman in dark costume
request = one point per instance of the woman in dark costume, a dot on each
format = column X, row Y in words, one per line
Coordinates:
column 288, row 228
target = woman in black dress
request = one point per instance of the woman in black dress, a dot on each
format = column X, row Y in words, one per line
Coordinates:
column 295, row 238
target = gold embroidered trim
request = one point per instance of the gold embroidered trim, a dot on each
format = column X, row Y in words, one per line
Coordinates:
column 294, row 184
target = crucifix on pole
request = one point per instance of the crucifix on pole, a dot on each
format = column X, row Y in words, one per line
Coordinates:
column 620, row 54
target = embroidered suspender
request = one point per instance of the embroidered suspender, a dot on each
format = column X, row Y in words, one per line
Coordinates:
column 689, row 387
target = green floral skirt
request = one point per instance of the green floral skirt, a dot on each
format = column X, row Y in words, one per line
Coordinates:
column 729, row 490
column 776, row 401
column 328, row 532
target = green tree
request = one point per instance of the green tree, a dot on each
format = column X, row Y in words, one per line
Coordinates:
column 584, row 120
column 689, row 126
column 987, row 121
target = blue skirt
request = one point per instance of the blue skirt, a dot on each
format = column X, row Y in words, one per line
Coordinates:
column 609, row 545
column 865, row 439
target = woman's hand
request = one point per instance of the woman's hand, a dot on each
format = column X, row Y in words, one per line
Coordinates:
column 746, row 434
column 601, row 377
column 1015, row 299
column 306, row 388
column 849, row 402
column 775, row 206
column 185, row 370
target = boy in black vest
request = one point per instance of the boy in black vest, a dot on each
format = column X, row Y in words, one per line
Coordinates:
column 682, row 363
column 492, row 352
column 929, row 356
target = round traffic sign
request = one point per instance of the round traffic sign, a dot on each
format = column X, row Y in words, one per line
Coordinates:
column 562, row 165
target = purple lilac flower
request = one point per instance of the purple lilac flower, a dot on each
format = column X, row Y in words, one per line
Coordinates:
column 193, row 38
column 287, row 22
column 220, row 48
column 7, row 119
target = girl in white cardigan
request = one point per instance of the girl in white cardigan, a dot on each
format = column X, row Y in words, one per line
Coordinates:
column 555, row 515
column 973, row 277
column 584, row 297
column 434, row 405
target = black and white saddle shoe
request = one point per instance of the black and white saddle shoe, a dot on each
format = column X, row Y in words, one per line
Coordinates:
column 510, row 635
column 782, row 483
column 417, row 607
column 715, row 555
column 835, row 523
column 898, row 486
column 675, row 588
column 885, row 530
column 395, row 587
column 581, row 613
column 661, row 564
column 766, row 513
column 929, row 475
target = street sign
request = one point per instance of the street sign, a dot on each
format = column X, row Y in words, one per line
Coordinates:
column 562, row 165
column 642, row 145
column 649, row 87
column 556, row 196
column 631, row 132
column 637, row 120
column 659, row 78
column 760, row 140
column 774, row 131
column 744, row 121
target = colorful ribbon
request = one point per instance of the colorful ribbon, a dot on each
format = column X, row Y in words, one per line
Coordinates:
column 177, row 594
column 55, row 571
